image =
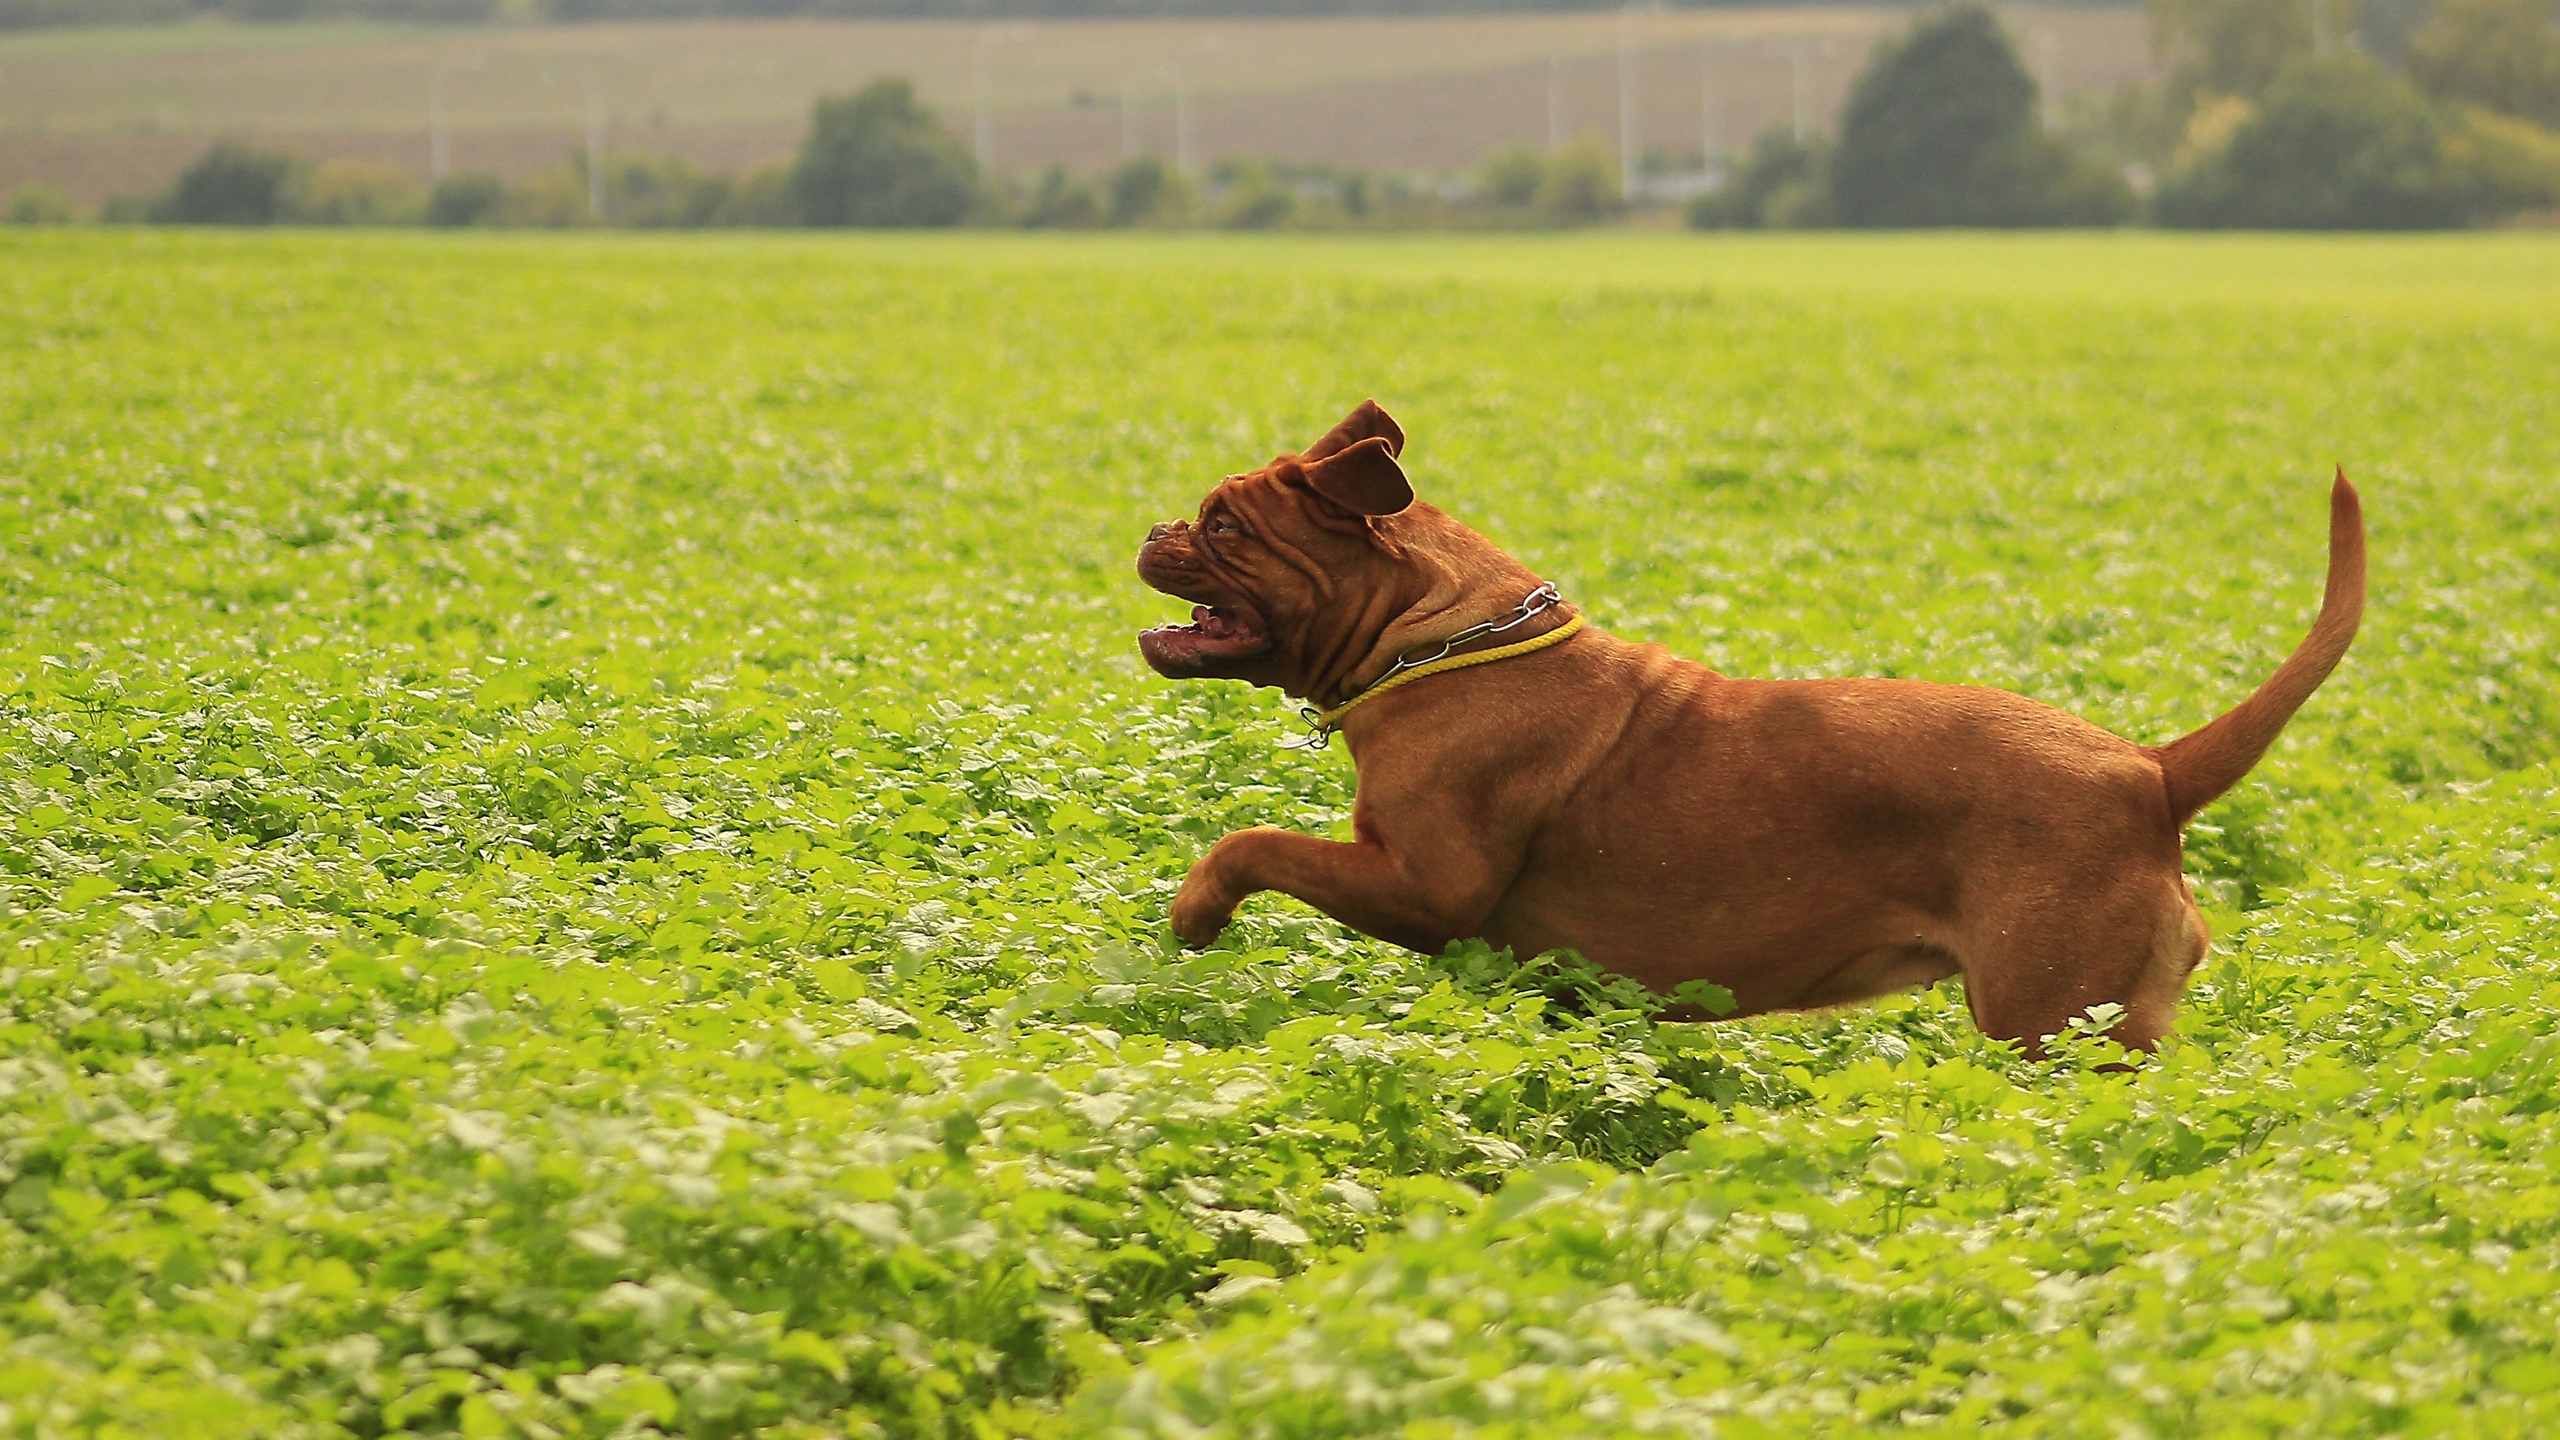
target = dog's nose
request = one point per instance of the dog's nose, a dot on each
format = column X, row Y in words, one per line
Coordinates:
column 1163, row 530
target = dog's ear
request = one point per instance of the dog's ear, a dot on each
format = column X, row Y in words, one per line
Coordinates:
column 1362, row 478
column 1369, row 421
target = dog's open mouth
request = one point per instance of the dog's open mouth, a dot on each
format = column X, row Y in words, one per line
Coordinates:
column 1216, row 635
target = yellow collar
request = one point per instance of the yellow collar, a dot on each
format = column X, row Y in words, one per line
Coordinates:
column 1321, row 723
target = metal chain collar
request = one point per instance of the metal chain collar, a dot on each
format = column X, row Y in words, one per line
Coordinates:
column 1320, row 732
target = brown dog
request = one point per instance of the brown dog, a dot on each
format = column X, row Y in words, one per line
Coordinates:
column 1801, row 843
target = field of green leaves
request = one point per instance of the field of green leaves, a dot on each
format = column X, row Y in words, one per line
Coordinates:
column 583, row 846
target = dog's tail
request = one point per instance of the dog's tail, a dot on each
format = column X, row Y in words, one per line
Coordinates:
column 2198, row 767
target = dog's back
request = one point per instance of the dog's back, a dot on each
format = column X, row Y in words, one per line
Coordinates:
column 1814, row 842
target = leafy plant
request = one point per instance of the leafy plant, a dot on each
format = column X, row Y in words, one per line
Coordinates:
column 583, row 850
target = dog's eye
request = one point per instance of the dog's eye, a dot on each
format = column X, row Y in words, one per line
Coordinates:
column 1221, row 525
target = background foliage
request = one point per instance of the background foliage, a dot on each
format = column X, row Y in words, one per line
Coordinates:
column 2397, row 114
column 583, row 846
column 878, row 158
column 2331, row 145
column 2274, row 116
column 1942, row 129
column 2269, row 118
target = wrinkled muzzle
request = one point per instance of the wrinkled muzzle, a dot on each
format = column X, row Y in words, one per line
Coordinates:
column 1225, row 630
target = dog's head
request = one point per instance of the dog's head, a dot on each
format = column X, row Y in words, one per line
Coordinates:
column 1299, row 572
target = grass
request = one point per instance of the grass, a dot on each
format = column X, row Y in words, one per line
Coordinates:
column 583, row 845
column 2515, row 274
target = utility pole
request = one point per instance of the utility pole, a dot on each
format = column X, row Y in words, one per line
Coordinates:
column 1707, row 137
column 986, row 118
column 595, row 145
column 986, row 125
column 1555, row 102
column 1182, row 159
column 1804, row 111
column 1628, row 140
column 585, row 75
column 1186, row 146
column 439, row 142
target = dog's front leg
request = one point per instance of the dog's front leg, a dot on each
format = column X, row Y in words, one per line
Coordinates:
column 1369, row 885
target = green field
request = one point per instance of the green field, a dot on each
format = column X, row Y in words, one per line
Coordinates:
column 583, row 845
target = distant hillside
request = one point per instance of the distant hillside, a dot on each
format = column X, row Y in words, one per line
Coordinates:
column 31, row 14
column 102, row 113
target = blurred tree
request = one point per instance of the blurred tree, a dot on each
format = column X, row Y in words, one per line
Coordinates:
column 1062, row 203
column 2500, row 54
column 465, row 199
column 551, row 200
column 1780, row 184
column 666, row 193
column 2503, row 163
column 231, row 185
column 1144, row 191
column 1513, row 174
column 2235, row 47
column 350, row 192
column 36, row 203
column 2383, row 27
column 761, row 197
column 1941, row 129
column 2334, row 143
column 1256, row 197
column 1581, row 185
column 434, row 12
column 1356, row 194
column 878, row 157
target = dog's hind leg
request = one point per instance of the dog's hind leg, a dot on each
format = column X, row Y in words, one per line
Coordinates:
column 2041, row 960
column 2179, row 945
